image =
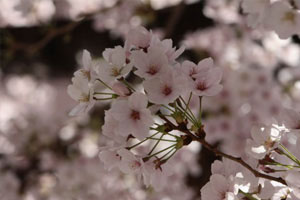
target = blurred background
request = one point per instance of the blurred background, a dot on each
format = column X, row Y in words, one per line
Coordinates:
column 45, row 154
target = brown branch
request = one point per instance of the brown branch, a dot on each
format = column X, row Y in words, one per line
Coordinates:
column 173, row 19
column 31, row 49
column 219, row 153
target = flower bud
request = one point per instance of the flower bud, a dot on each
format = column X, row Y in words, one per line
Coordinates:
column 120, row 89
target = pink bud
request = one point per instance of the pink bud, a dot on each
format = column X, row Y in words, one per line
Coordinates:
column 120, row 89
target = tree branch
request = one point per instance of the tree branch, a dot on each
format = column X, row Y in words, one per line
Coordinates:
column 220, row 153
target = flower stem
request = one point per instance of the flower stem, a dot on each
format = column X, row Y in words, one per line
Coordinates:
column 188, row 115
column 200, row 110
column 147, row 158
column 191, row 113
column 104, row 84
column 190, row 97
column 167, row 153
column 165, row 160
column 290, row 155
column 249, row 196
column 156, row 129
column 166, row 140
column 162, row 135
column 104, row 93
column 168, row 108
column 127, row 84
column 142, row 141
column 103, row 98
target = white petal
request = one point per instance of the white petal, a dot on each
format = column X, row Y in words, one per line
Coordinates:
column 86, row 59
column 138, row 101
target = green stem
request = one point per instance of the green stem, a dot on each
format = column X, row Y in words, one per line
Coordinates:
column 128, row 85
column 104, row 93
column 168, row 108
column 142, row 141
column 249, row 196
column 160, row 151
column 103, row 98
column 156, row 129
column 190, row 97
column 290, row 155
column 165, row 160
column 192, row 114
column 166, row 140
column 167, row 153
column 189, row 116
column 162, row 135
column 104, row 84
column 200, row 110
column 282, row 165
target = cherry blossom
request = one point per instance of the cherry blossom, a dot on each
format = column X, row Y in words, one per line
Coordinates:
column 138, row 37
column 292, row 178
column 168, row 49
column 132, row 164
column 145, row 130
column 256, row 10
column 192, row 70
column 132, row 116
column 157, row 174
column 114, row 66
column 110, row 128
column 81, row 91
column 165, row 89
column 110, row 157
column 88, row 70
column 120, row 89
column 82, row 88
column 290, row 119
column 204, row 79
column 219, row 188
column 281, row 12
column 151, row 64
column 208, row 84
column 264, row 140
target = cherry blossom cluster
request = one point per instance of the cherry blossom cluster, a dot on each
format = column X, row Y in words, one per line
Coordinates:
column 266, row 152
column 31, row 133
column 149, row 121
column 140, row 113
column 281, row 16
column 263, row 92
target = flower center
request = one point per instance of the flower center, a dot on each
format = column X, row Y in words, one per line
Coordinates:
column 84, row 98
column 201, row 86
column 135, row 165
column 135, row 115
column 269, row 143
column 152, row 70
column 86, row 73
column 115, row 71
column 290, row 17
column 167, row 90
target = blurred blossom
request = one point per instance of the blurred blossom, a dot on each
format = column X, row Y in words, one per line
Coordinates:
column 26, row 12
column 45, row 154
column 119, row 19
column 225, row 11
column 158, row 4
column 74, row 8
column 60, row 176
